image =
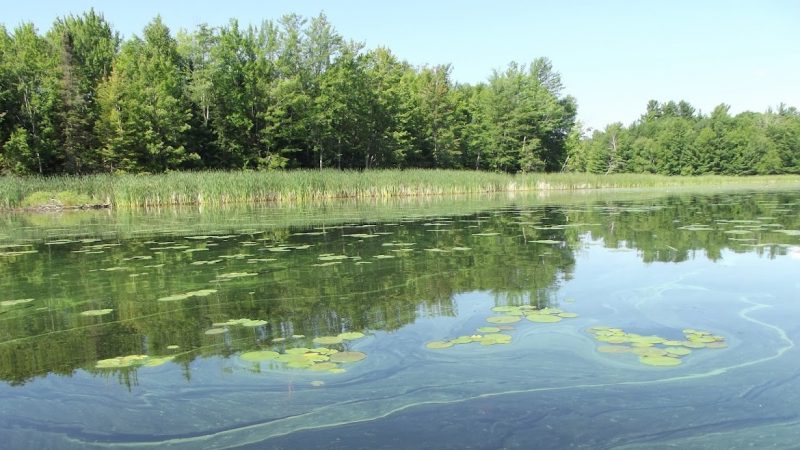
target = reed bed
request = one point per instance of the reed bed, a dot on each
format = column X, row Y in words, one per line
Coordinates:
column 301, row 186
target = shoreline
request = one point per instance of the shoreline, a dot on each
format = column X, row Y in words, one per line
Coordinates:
column 215, row 188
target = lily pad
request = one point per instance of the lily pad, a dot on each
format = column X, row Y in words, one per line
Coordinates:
column 15, row 302
column 495, row 338
column 96, row 312
column 121, row 362
column 328, row 340
column 543, row 318
column 259, row 355
column 677, row 351
column 159, row 361
column 488, row 330
column 176, row 297
column 214, row 331
column 347, row 357
column 351, row 335
column 435, row 345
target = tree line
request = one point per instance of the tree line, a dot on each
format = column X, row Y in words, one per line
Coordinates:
column 674, row 139
column 290, row 93
column 293, row 93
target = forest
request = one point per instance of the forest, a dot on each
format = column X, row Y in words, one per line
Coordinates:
column 293, row 93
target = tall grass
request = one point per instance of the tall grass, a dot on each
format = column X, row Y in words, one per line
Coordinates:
column 219, row 188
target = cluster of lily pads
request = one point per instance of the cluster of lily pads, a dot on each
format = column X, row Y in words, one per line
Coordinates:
column 222, row 327
column 121, row 362
column 492, row 335
column 655, row 350
column 513, row 314
column 486, row 336
column 318, row 359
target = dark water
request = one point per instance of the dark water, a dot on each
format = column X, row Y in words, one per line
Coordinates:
column 168, row 288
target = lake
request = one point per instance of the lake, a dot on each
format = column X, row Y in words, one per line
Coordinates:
column 599, row 320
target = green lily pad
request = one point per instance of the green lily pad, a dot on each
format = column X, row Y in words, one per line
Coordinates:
column 328, row 340
column 297, row 350
column 15, row 302
column 96, row 312
column 505, row 308
column 677, row 351
column 347, row 357
column 323, row 366
column 121, row 362
column 159, row 361
column 233, row 275
column 567, row 315
column 259, row 355
column 543, row 318
column 462, row 340
column 351, row 335
column 199, row 293
column 488, row 330
column 494, row 338
column 214, row 331
column 436, row 345
column 717, row 344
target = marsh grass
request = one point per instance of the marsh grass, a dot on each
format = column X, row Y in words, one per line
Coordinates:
column 220, row 188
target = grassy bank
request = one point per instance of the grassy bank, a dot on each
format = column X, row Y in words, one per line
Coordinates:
column 218, row 188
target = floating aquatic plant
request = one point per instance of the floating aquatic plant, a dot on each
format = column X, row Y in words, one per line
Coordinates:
column 347, row 357
column 15, row 302
column 234, row 275
column 96, row 312
column 260, row 355
column 199, row 293
column 351, row 335
column 328, row 340
column 215, row 331
column 121, row 362
column 655, row 350
column 242, row 322
column 488, row 330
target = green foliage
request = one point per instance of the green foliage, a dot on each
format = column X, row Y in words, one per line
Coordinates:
column 293, row 93
column 290, row 93
column 305, row 186
column 56, row 199
column 670, row 139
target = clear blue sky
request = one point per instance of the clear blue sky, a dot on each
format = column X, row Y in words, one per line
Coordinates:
column 613, row 55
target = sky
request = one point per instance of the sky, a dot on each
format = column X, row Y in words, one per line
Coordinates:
column 613, row 56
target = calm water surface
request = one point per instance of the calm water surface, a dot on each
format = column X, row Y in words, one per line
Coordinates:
column 577, row 322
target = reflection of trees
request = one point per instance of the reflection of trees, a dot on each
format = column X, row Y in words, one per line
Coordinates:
column 655, row 228
column 298, row 298
column 292, row 294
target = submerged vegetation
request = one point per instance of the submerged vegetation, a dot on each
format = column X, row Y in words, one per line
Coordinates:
column 655, row 350
column 135, row 288
column 220, row 188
